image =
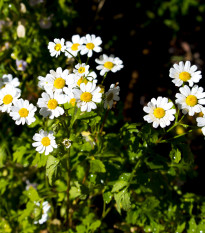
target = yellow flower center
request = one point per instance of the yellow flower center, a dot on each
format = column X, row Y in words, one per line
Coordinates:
column 58, row 47
column 184, row 76
column 52, row 104
column 82, row 80
column 109, row 65
column 81, row 70
column 90, row 46
column 59, row 83
column 86, row 97
column 46, row 141
column 20, row 65
column 159, row 112
column 110, row 97
column 72, row 101
column 23, row 112
column 7, row 99
column 191, row 100
column 74, row 47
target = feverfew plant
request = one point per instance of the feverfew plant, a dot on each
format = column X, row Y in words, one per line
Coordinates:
column 82, row 153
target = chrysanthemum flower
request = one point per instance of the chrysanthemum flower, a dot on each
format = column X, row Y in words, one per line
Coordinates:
column 87, row 96
column 44, row 141
column 74, row 47
column 56, row 47
column 201, row 123
column 22, row 112
column 7, row 79
column 111, row 95
column 81, row 69
column 184, row 73
column 7, row 96
column 160, row 112
column 71, row 99
column 46, row 207
column 191, row 100
column 56, row 80
column 49, row 104
column 91, row 44
column 42, row 82
column 107, row 64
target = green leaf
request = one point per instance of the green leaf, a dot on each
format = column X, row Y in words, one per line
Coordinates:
column 97, row 166
column 119, row 185
column 51, row 168
column 33, row 194
column 95, row 225
column 175, row 155
column 107, row 197
column 122, row 199
column 19, row 153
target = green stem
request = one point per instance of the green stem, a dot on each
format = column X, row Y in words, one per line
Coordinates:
column 69, row 220
column 104, row 78
column 73, row 56
column 134, row 171
column 106, row 115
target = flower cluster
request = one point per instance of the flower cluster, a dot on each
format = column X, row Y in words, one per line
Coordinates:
column 190, row 98
column 77, row 89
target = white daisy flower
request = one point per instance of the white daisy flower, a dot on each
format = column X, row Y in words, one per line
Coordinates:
column 7, row 96
column 184, row 73
column 73, row 47
column 91, row 44
column 70, row 96
column 56, row 80
column 87, row 96
column 44, row 141
column 42, row 82
column 7, row 79
column 191, row 100
column 22, row 112
column 56, row 47
column 71, row 81
column 160, row 112
column 49, row 104
column 81, row 69
column 107, row 64
column 201, row 123
column 92, row 76
column 111, row 95
column 46, row 207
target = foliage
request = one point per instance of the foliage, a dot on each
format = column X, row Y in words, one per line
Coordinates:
column 115, row 176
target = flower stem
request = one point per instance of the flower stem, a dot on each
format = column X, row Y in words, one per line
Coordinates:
column 69, row 220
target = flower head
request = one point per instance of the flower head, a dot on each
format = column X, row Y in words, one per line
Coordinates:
column 21, row 65
column 92, row 43
column 190, row 100
column 56, row 80
column 44, row 142
column 7, row 80
column 81, row 69
column 87, row 96
column 184, row 73
column 56, row 47
column 107, row 64
column 73, row 47
column 22, row 112
column 49, row 104
column 45, row 210
column 160, row 112
column 111, row 96
column 7, row 96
